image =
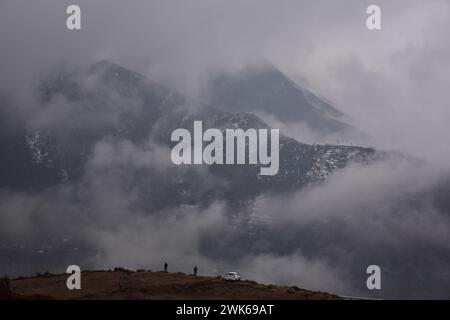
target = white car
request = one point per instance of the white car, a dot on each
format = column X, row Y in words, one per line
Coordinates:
column 232, row 276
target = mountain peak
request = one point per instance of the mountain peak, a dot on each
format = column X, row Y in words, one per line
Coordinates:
column 264, row 88
column 110, row 70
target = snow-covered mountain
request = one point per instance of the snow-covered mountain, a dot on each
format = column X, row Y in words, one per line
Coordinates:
column 88, row 174
column 111, row 102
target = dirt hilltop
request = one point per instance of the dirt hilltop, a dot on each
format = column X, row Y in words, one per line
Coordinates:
column 124, row 284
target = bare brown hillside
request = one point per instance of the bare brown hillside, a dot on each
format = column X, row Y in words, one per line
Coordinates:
column 123, row 284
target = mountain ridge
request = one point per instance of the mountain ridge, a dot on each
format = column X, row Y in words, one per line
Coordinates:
column 156, row 113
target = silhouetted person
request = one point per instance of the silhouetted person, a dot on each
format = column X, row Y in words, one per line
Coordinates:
column 195, row 270
column 165, row 266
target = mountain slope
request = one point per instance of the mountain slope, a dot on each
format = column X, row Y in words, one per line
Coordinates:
column 121, row 105
column 266, row 89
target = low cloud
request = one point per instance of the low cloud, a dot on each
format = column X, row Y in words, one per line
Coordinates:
column 323, row 239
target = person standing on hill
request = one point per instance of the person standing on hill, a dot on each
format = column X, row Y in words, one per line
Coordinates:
column 195, row 270
column 165, row 266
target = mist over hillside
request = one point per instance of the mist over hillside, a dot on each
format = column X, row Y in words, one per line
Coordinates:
column 85, row 122
column 97, row 185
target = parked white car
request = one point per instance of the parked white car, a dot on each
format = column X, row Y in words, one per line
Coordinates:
column 232, row 276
